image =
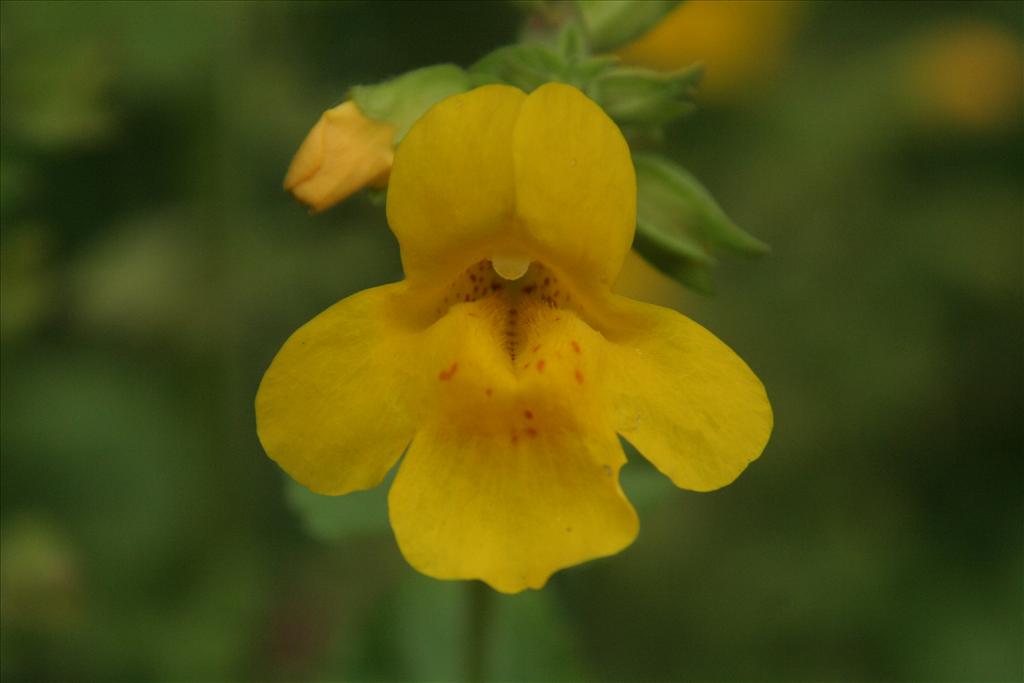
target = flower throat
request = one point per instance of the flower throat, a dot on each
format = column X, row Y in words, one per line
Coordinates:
column 518, row 309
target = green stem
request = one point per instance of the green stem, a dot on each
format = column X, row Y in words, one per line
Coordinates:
column 480, row 606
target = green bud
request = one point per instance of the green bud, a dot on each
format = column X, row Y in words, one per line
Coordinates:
column 403, row 100
column 611, row 23
column 680, row 227
column 634, row 95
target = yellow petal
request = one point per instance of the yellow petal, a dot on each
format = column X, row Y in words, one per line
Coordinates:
column 493, row 172
column 451, row 190
column 343, row 153
column 513, row 473
column 687, row 402
column 477, row 506
column 331, row 409
column 575, row 184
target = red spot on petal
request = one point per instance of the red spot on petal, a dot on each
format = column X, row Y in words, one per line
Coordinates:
column 528, row 414
column 467, row 297
column 531, row 432
column 446, row 375
column 536, row 348
column 579, row 377
column 575, row 346
column 529, row 289
column 547, row 281
column 489, row 391
column 540, row 365
column 515, row 438
column 496, row 286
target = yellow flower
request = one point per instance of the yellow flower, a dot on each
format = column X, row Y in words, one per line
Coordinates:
column 345, row 152
column 503, row 365
column 741, row 42
column 967, row 76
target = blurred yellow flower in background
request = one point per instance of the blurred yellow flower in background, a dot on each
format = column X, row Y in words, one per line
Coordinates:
column 503, row 365
column 968, row 76
column 343, row 153
column 741, row 42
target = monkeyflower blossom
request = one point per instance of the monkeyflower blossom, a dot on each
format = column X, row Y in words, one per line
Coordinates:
column 503, row 366
column 343, row 153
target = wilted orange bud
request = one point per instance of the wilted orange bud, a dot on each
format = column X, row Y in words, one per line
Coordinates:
column 345, row 152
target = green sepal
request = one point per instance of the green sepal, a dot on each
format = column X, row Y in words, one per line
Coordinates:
column 572, row 44
column 403, row 100
column 612, row 23
column 692, row 273
column 676, row 204
column 680, row 227
column 526, row 66
column 632, row 95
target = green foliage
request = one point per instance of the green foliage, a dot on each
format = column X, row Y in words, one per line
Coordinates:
column 632, row 96
column 150, row 266
column 680, row 227
column 526, row 66
column 640, row 97
column 402, row 100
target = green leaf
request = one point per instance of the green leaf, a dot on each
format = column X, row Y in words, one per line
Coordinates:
column 403, row 100
column 691, row 272
column 611, row 23
column 572, row 44
column 680, row 227
column 680, row 209
column 337, row 518
column 632, row 95
column 526, row 66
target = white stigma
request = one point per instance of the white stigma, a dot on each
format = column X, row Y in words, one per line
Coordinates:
column 510, row 266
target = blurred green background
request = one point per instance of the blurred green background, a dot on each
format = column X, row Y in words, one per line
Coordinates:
column 152, row 265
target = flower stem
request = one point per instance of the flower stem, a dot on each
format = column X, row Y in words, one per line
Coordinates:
column 480, row 607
